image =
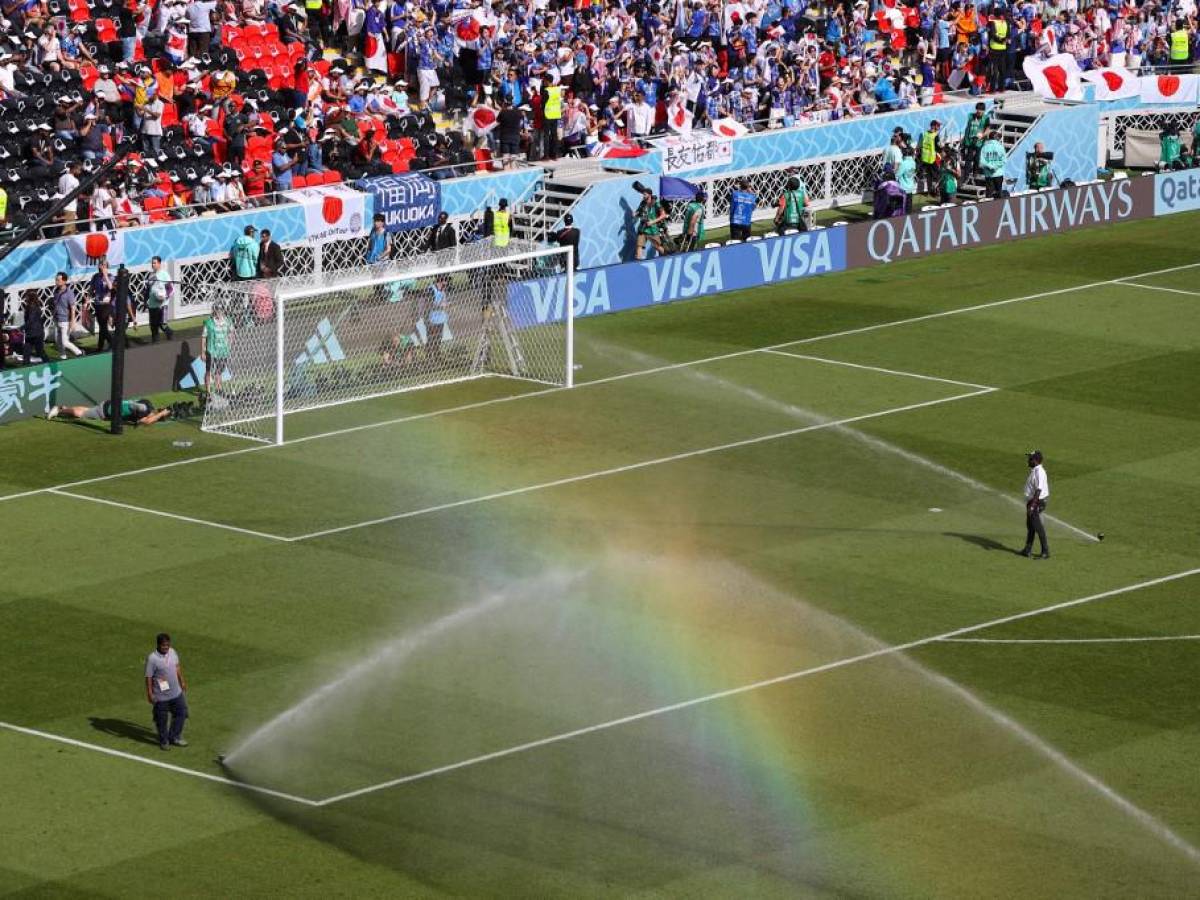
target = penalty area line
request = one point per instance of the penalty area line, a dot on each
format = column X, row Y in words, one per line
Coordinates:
column 168, row 515
column 754, row 686
column 180, row 770
column 880, row 369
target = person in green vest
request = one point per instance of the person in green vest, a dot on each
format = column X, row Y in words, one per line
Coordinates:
column 552, row 110
column 992, row 159
column 651, row 218
column 1038, row 173
column 948, row 178
column 789, row 213
column 906, row 177
column 997, row 60
column 214, row 347
column 1171, row 153
column 501, row 222
column 693, row 222
column 244, row 255
column 930, row 147
column 1181, row 48
column 977, row 127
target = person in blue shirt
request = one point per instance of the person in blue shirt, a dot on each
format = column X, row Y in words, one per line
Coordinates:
column 741, row 210
column 438, row 317
column 906, row 176
column 378, row 241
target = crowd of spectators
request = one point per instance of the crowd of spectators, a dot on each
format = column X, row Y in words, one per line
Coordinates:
column 229, row 100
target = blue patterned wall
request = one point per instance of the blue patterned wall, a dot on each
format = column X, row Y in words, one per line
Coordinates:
column 1070, row 133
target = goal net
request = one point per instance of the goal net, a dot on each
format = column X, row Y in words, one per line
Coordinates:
column 287, row 345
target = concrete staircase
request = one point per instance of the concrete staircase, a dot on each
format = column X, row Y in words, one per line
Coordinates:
column 566, row 181
column 1014, row 122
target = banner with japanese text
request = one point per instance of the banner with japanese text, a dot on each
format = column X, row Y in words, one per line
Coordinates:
column 697, row 152
column 32, row 390
column 406, row 202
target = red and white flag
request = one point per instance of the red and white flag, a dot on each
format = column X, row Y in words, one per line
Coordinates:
column 679, row 117
column 729, row 128
column 375, row 53
column 1179, row 90
column 618, row 148
column 1113, row 84
column 86, row 250
column 1055, row 78
column 482, row 120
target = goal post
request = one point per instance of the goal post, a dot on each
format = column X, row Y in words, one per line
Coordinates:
column 289, row 345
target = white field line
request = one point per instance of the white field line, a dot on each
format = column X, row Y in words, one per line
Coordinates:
column 747, row 688
column 606, row 380
column 842, row 362
column 631, row 467
column 133, row 757
column 1102, row 640
column 1066, row 764
column 1156, row 287
column 166, row 515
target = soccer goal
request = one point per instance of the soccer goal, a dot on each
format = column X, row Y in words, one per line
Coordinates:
column 291, row 345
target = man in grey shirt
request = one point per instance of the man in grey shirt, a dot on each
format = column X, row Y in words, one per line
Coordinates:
column 64, row 316
column 165, row 691
column 199, row 21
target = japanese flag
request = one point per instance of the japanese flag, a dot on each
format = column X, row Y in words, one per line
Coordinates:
column 1113, row 84
column 375, row 53
column 679, row 117
column 1180, row 90
column 482, row 120
column 729, row 128
column 1055, row 78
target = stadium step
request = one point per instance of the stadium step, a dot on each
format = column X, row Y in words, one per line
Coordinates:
column 1013, row 125
column 539, row 216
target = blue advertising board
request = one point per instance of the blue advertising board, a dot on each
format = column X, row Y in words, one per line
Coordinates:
column 680, row 277
column 406, row 202
column 1176, row 192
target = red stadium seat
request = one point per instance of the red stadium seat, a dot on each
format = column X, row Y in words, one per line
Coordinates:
column 332, row 176
column 106, row 31
column 299, row 181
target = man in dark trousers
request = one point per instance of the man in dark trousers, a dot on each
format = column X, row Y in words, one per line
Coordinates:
column 443, row 236
column 270, row 256
column 166, row 689
column 1037, row 492
column 568, row 236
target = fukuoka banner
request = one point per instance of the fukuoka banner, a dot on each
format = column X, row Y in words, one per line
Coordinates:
column 996, row 221
column 332, row 212
column 680, row 277
column 406, row 202
column 696, row 152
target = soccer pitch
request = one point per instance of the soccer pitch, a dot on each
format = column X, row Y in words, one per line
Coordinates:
column 739, row 615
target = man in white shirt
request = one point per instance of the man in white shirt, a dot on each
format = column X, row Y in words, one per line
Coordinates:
column 67, row 182
column 166, row 691
column 1037, row 491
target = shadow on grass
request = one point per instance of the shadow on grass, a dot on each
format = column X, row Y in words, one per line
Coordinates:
column 123, row 728
column 981, row 541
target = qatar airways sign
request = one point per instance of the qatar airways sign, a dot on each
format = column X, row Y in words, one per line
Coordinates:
column 996, row 221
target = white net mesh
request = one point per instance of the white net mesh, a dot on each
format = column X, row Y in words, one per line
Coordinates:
column 364, row 333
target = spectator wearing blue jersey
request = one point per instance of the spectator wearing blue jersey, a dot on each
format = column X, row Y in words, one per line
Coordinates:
column 741, row 210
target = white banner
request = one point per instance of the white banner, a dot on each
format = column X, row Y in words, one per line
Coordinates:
column 332, row 212
column 696, row 152
column 86, row 250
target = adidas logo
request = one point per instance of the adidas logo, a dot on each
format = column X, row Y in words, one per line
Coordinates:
column 323, row 347
column 195, row 375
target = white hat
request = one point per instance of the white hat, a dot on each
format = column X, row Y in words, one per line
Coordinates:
column 208, row 179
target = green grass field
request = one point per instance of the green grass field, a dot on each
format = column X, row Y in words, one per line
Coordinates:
column 740, row 615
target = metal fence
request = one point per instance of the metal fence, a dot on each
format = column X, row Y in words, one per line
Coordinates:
column 1184, row 118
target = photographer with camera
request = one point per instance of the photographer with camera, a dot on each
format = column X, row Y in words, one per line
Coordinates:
column 792, row 206
column 651, row 221
column 693, row 223
column 1038, row 173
